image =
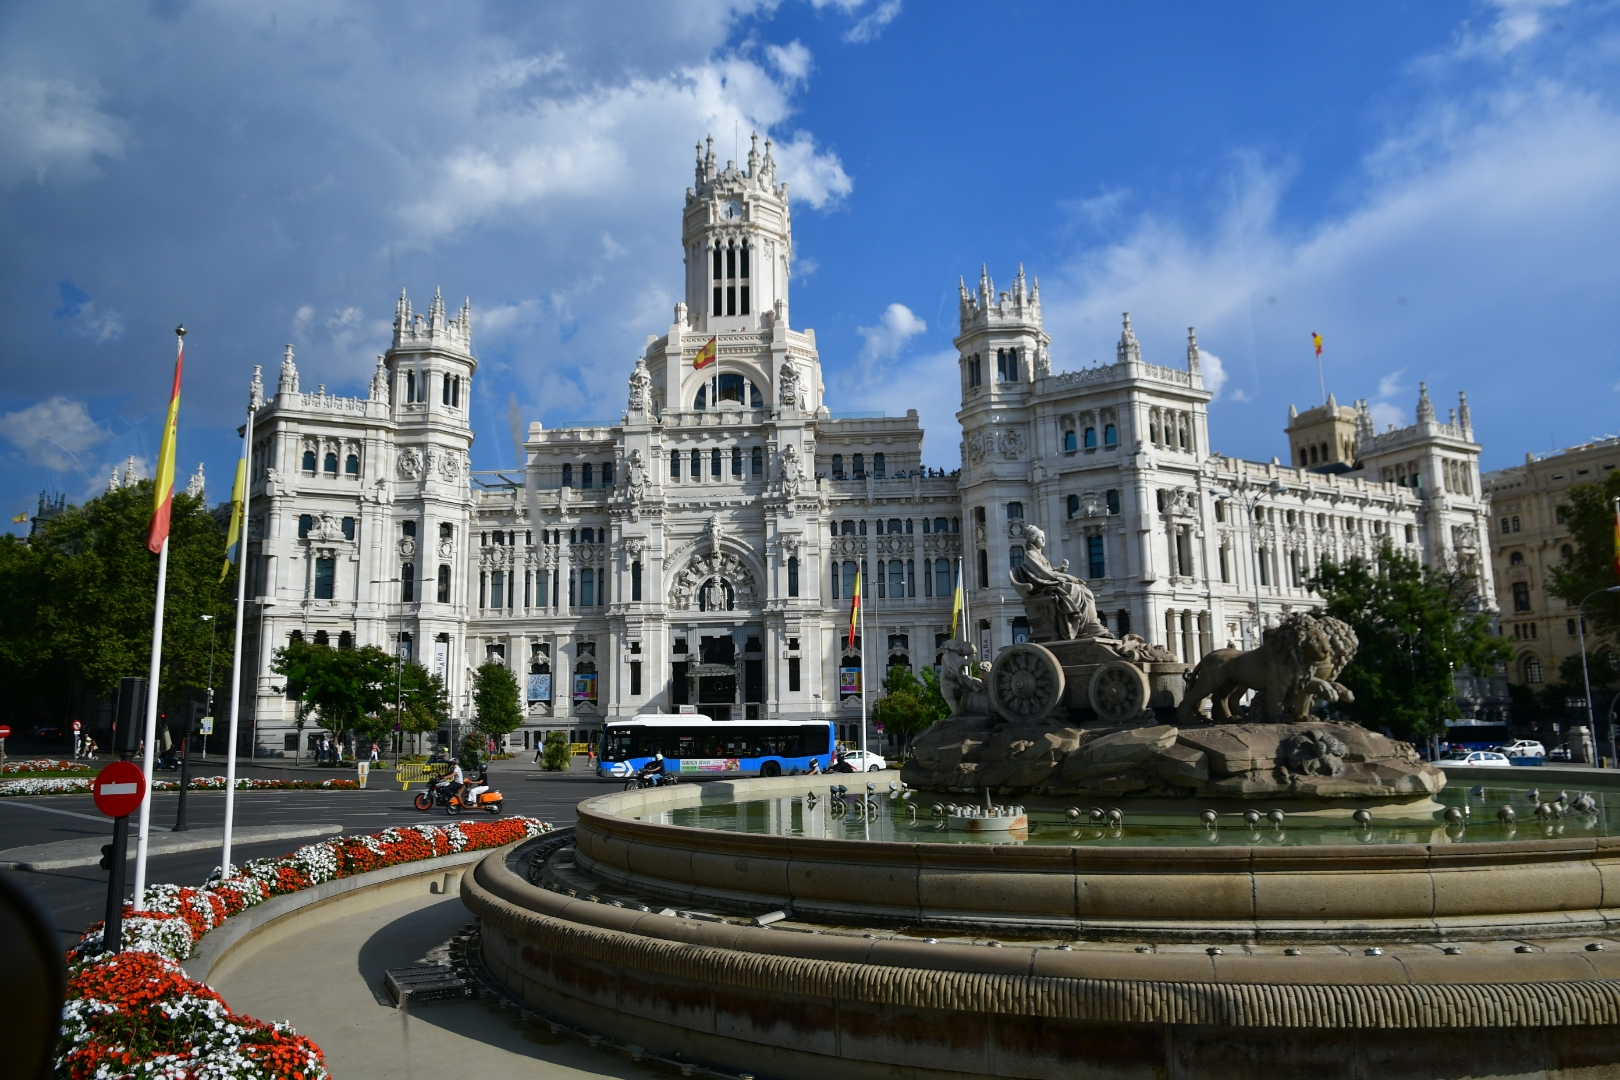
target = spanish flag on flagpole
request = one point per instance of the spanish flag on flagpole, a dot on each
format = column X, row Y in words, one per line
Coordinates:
column 854, row 607
column 1316, row 339
column 163, row 481
column 956, row 600
column 235, row 531
column 706, row 355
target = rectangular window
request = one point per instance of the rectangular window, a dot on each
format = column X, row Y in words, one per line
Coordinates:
column 849, row 579
column 759, row 461
column 587, row 588
column 878, row 468
column 325, row 578
column 568, row 474
column 497, row 589
column 635, row 678
column 483, row 588
column 1015, row 556
column 528, row 589
column 607, row 474
column 635, row 581
column 1113, row 501
column 714, row 463
column 306, row 522
column 1265, row 576
column 943, row 585
column 860, row 465
column 736, row 461
column 1094, row 557
column 793, row 575
column 835, row 593
column 1015, row 511
column 984, row 569
column 793, row 674
column 897, row 579
column 407, row 583
column 348, row 528
column 1226, row 571
column 911, row 577
column 697, row 464
column 444, row 584
column 675, row 465
column 585, row 475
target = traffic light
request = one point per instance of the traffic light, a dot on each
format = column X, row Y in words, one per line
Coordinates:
column 107, row 856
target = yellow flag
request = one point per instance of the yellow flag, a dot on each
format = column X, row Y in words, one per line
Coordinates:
column 956, row 600
column 238, row 494
column 854, row 607
column 163, row 479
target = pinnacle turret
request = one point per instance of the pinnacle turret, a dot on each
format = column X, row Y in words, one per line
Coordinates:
column 1129, row 349
column 1192, row 353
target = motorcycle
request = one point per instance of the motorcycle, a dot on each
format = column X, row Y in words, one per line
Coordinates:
column 446, row 793
column 649, row 780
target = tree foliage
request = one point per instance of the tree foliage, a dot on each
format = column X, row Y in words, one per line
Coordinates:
column 348, row 689
column 556, row 757
column 495, row 699
column 909, row 705
column 426, row 704
column 1415, row 626
column 76, row 601
column 1589, row 513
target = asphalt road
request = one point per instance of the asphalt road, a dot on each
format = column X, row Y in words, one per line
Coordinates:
column 77, row 897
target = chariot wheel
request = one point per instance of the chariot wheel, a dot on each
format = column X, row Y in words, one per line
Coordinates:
column 1026, row 683
column 1119, row 691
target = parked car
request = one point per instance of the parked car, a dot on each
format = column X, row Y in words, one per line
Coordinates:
column 1523, row 748
column 1561, row 753
column 1487, row 758
column 865, row 760
column 48, row 733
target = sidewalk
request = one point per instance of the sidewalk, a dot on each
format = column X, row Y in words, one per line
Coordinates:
column 328, row 982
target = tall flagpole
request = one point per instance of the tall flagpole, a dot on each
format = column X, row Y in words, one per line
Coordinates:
column 865, row 673
column 236, row 644
column 165, row 476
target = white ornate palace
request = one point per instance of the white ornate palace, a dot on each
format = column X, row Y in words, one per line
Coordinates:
column 701, row 551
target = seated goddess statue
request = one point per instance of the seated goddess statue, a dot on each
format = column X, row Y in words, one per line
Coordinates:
column 1059, row 605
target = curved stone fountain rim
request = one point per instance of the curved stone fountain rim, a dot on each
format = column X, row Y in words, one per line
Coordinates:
column 1362, row 894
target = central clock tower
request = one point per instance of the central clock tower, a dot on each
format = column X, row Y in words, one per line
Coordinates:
column 738, row 241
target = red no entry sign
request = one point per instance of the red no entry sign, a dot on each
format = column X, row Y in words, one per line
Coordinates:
column 4, row 731
column 119, row 789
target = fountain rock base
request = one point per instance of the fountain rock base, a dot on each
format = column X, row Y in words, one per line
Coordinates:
column 1234, row 761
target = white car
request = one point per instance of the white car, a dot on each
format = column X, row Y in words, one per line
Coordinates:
column 1523, row 748
column 1489, row 759
column 865, row 761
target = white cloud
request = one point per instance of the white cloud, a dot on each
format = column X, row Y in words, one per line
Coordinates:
column 100, row 325
column 885, row 340
column 792, row 61
column 871, row 26
column 1517, row 22
column 55, row 433
column 53, row 126
column 1214, row 372
column 303, row 318
column 1390, row 385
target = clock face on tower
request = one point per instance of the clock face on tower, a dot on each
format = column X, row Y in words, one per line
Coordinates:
column 730, row 210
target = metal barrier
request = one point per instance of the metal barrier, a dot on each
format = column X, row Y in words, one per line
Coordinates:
column 408, row 774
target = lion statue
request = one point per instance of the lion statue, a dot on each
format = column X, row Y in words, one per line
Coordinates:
column 1297, row 660
column 964, row 693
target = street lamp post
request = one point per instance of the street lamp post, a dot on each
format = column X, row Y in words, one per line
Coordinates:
column 212, row 641
column 1249, row 505
column 1586, row 676
column 399, row 674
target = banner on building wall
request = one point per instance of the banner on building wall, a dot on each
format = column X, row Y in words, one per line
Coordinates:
column 984, row 644
column 540, row 687
column 441, row 660
column 849, row 681
column 585, row 686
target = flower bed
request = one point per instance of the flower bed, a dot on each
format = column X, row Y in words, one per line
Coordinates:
column 45, row 765
column 77, row 785
column 136, row 1014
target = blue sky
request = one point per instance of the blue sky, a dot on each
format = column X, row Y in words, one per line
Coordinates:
column 1433, row 186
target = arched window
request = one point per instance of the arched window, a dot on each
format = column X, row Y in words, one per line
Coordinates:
column 410, row 386
column 1091, row 438
column 860, row 465
column 1517, row 558
column 331, row 463
column 1313, row 455
column 309, row 467
column 849, row 528
column 1515, row 523
column 1110, row 435
column 407, row 528
column 345, row 640
column 1069, row 443
column 444, row 583
column 1074, row 505
column 879, row 470
column 321, row 638
column 568, row 474
column 407, row 583
column 351, row 465
column 838, row 469
column 306, row 522
column 1532, row 669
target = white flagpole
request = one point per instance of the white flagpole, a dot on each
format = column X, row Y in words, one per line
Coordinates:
column 236, row 644
column 866, row 674
column 152, row 685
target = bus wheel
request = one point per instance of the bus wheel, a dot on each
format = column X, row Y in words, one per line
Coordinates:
column 770, row 768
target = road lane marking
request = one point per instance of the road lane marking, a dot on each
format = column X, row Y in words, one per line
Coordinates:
column 65, row 813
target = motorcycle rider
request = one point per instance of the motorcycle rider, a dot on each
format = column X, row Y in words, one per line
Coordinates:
column 653, row 772
column 475, row 787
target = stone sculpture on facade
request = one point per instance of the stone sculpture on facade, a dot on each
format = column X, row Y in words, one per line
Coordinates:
column 640, row 388
column 635, row 483
column 788, row 395
column 1059, row 605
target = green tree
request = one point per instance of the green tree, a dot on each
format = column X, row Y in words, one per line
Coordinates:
column 1415, row 626
column 909, row 705
column 426, row 705
column 348, row 689
column 1589, row 513
column 495, row 699
column 76, row 603
column 556, row 757
column 1602, row 666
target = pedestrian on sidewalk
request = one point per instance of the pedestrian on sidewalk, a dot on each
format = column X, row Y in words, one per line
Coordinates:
column 374, row 750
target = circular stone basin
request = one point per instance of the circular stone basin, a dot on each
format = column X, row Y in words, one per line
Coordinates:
column 753, row 845
column 1151, row 824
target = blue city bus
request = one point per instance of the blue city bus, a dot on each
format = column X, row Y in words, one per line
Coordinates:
column 698, row 748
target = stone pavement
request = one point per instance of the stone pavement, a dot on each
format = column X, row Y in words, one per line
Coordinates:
column 328, row 982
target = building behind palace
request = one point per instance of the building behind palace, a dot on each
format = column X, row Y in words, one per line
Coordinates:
column 702, row 550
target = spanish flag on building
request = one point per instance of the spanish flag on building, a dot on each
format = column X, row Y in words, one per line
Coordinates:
column 706, row 355
column 163, row 480
column 854, row 607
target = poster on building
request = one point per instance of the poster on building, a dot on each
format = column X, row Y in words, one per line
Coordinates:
column 849, row 681
column 540, row 687
column 441, row 660
column 984, row 645
column 585, row 686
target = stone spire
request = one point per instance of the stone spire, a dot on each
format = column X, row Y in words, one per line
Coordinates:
column 1192, row 352
column 379, row 383
column 195, row 486
column 131, row 477
column 986, row 286
column 112, row 483
column 402, row 314
column 436, row 312
column 1425, row 407
column 1129, row 349
column 1332, row 404
column 1464, row 417
column 1293, row 412
column 1364, row 423
column 1020, row 289
column 753, row 155
column 289, row 374
column 256, row 388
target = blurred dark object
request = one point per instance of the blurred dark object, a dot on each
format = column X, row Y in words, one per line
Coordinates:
column 33, row 983
column 131, row 715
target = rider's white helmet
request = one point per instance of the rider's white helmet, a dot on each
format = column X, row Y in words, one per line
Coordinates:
column 660, row 756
